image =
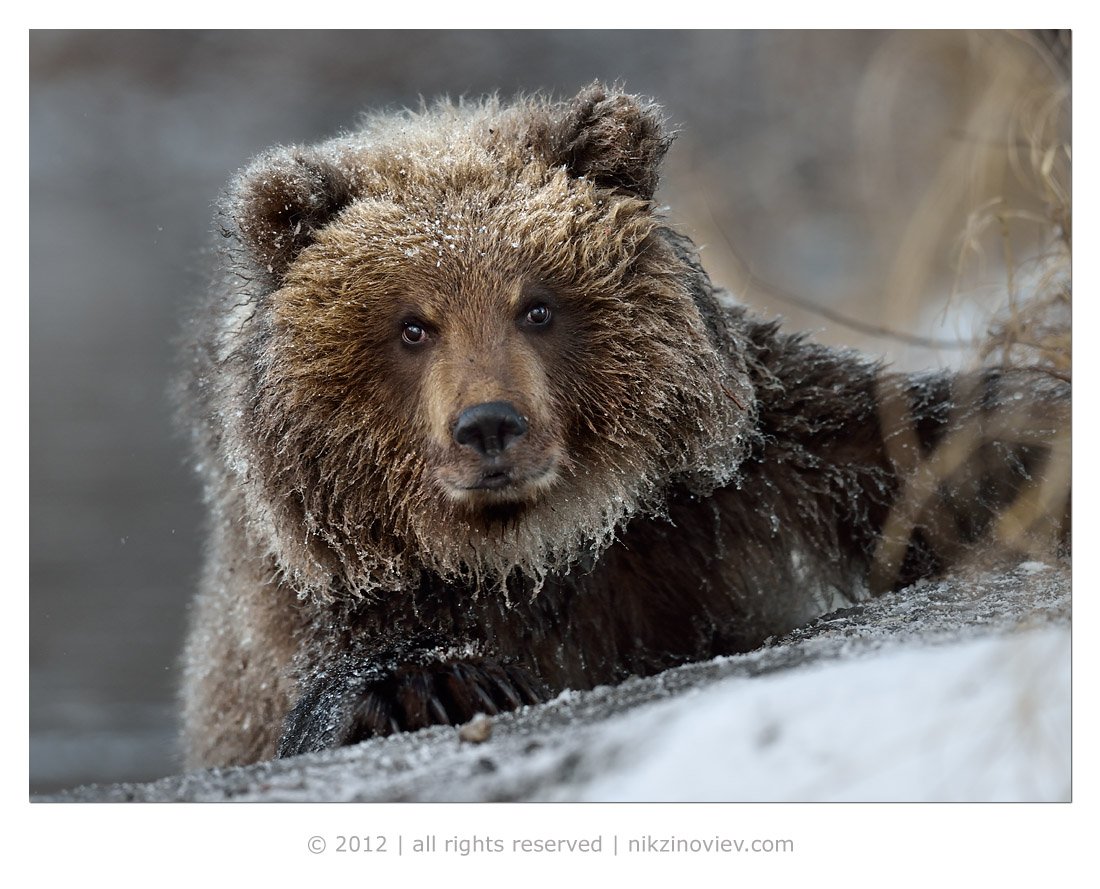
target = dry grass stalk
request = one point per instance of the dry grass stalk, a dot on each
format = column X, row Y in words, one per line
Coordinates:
column 1014, row 170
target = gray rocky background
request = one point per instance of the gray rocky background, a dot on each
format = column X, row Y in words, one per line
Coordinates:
column 132, row 134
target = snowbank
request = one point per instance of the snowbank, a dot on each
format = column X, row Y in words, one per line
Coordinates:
column 955, row 690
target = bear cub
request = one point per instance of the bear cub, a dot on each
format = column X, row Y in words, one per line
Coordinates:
column 474, row 426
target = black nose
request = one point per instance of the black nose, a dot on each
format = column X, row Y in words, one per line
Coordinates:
column 489, row 428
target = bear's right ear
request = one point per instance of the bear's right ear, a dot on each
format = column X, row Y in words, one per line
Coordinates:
column 278, row 204
column 614, row 139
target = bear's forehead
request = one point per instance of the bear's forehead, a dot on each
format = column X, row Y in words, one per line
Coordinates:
column 384, row 236
column 465, row 226
column 438, row 224
column 429, row 262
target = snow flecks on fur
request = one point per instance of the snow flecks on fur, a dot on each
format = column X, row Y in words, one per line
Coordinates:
column 645, row 393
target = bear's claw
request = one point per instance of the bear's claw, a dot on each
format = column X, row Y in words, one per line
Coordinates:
column 341, row 707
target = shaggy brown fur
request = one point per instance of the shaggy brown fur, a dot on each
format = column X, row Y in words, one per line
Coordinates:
column 650, row 476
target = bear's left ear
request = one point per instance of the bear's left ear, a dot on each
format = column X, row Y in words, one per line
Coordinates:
column 277, row 205
column 614, row 139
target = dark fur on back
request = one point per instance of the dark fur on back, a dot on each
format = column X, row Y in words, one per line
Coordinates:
column 684, row 480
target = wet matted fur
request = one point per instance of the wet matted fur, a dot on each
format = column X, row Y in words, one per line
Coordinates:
column 651, row 475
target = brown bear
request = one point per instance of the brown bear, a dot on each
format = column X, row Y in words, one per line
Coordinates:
column 475, row 427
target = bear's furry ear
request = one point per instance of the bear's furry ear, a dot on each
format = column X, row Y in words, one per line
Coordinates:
column 614, row 139
column 279, row 203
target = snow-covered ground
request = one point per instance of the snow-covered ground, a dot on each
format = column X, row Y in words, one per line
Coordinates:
column 953, row 690
column 977, row 719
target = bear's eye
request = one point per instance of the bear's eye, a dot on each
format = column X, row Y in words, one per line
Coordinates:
column 413, row 333
column 538, row 316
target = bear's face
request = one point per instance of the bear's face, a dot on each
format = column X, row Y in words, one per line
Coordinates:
column 474, row 359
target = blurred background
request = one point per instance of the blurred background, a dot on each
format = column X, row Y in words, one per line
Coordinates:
column 903, row 193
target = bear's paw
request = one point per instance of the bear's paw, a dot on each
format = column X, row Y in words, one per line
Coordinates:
column 342, row 708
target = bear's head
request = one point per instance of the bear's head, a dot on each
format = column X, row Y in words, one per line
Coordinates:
column 468, row 344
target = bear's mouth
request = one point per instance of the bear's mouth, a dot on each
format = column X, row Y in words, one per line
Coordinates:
column 501, row 484
column 492, row 481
